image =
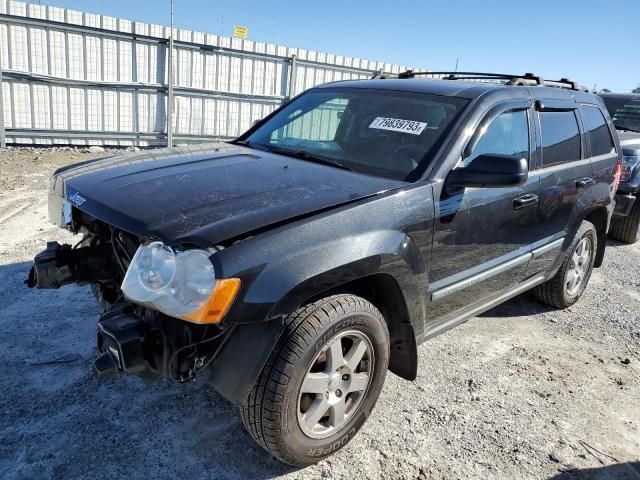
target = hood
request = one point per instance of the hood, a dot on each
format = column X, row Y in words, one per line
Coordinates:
column 630, row 142
column 204, row 195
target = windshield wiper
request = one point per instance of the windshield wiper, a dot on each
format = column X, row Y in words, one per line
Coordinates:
column 257, row 146
column 301, row 154
column 312, row 157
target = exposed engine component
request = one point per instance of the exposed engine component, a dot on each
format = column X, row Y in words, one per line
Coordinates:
column 150, row 344
column 60, row 265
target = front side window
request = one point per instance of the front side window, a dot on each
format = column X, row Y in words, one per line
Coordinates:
column 560, row 138
column 598, row 131
column 378, row 132
column 507, row 134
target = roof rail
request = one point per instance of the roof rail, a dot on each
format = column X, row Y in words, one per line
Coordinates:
column 528, row 79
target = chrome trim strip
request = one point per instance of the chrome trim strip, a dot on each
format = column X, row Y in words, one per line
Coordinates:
column 479, row 277
column 538, row 252
column 449, row 323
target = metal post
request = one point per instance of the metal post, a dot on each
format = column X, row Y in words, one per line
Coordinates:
column 170, row 84
column 3, row 141
column 292, row 78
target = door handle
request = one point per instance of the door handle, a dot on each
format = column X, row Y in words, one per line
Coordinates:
column 584, row 182
column 525, row 201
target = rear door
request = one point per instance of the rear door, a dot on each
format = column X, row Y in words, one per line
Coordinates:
column 602, row 147
column 565, row 173
column 482, row 236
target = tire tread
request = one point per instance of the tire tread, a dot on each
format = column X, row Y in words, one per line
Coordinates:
column 552, row 291
column 261, row 411
column 625, row 229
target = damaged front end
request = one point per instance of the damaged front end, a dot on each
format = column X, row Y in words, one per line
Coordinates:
column 150, row 344
column 160, row 306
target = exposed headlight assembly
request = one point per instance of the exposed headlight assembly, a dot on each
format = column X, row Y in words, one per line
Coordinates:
column 181, row 284
column 628, row 164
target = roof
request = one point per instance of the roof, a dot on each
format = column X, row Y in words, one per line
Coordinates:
column 422, row 85
column 629, row 139
column 454, row 88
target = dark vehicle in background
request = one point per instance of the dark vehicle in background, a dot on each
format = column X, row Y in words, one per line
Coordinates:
column 293, row 267
column 625, row 113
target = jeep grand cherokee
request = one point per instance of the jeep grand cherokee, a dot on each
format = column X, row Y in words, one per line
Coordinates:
column 294, row 266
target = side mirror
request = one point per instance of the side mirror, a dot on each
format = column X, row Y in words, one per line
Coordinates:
column 491, row 171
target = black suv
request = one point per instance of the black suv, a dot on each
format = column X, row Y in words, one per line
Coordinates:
column 625, row 111
column 293, row 267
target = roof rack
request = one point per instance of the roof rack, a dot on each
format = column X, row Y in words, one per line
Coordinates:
column 527, row 80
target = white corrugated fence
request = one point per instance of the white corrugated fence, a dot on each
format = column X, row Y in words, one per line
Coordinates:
column 71, row 77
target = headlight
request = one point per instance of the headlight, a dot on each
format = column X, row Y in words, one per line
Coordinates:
column 181, row 284
column 628, row 164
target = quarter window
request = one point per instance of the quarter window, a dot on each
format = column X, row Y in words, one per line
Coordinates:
column 560, row 138
column 598, row 131
column 507, row 134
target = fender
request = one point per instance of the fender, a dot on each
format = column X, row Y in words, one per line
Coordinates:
column 595, row 204
column 343, row 260
column 308, row 259
column 259, row 338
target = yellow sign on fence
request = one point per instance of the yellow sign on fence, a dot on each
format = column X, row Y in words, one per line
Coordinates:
column 240, row 31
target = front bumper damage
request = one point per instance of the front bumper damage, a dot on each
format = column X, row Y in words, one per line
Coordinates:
column 229, row 360
column 151, row 345
column 132, row 339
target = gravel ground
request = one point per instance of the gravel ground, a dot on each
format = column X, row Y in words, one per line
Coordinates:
column 520, row 392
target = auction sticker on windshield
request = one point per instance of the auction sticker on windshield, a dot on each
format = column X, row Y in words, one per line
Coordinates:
column 398, row 125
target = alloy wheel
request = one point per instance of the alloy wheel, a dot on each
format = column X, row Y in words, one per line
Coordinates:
column 335, row 384
column 580, row 264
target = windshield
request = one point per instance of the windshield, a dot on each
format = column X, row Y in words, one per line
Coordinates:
column 377, row 132
column 624, row 112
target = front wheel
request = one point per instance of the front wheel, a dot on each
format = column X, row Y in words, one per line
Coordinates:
column 321, row 382
column 568, row 285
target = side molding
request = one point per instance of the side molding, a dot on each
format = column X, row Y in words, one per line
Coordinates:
column 480, row 277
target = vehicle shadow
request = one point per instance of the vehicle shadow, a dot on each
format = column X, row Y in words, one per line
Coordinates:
column 524, row 305
column 59, row 421
column 611, row 243
column 619, row 471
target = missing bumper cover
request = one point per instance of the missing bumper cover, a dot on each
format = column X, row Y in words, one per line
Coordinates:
column 151, row 345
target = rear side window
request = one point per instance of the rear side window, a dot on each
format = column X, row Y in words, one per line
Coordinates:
column 507, row 134
column 598, row 131
column 560, row 138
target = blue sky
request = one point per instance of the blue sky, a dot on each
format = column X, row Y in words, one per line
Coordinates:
column 593, row 42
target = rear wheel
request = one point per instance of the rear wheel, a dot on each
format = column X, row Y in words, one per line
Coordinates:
column 321, row 382
column 568, row 285
column 627, row 229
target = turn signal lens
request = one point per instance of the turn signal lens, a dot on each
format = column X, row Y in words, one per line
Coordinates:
column 218, row 305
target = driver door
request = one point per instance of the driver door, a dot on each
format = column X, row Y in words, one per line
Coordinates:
column 482, row 236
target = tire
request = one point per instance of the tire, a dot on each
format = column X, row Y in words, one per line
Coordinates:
column 275, row 412
column 560, row 292
column 626, row 229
